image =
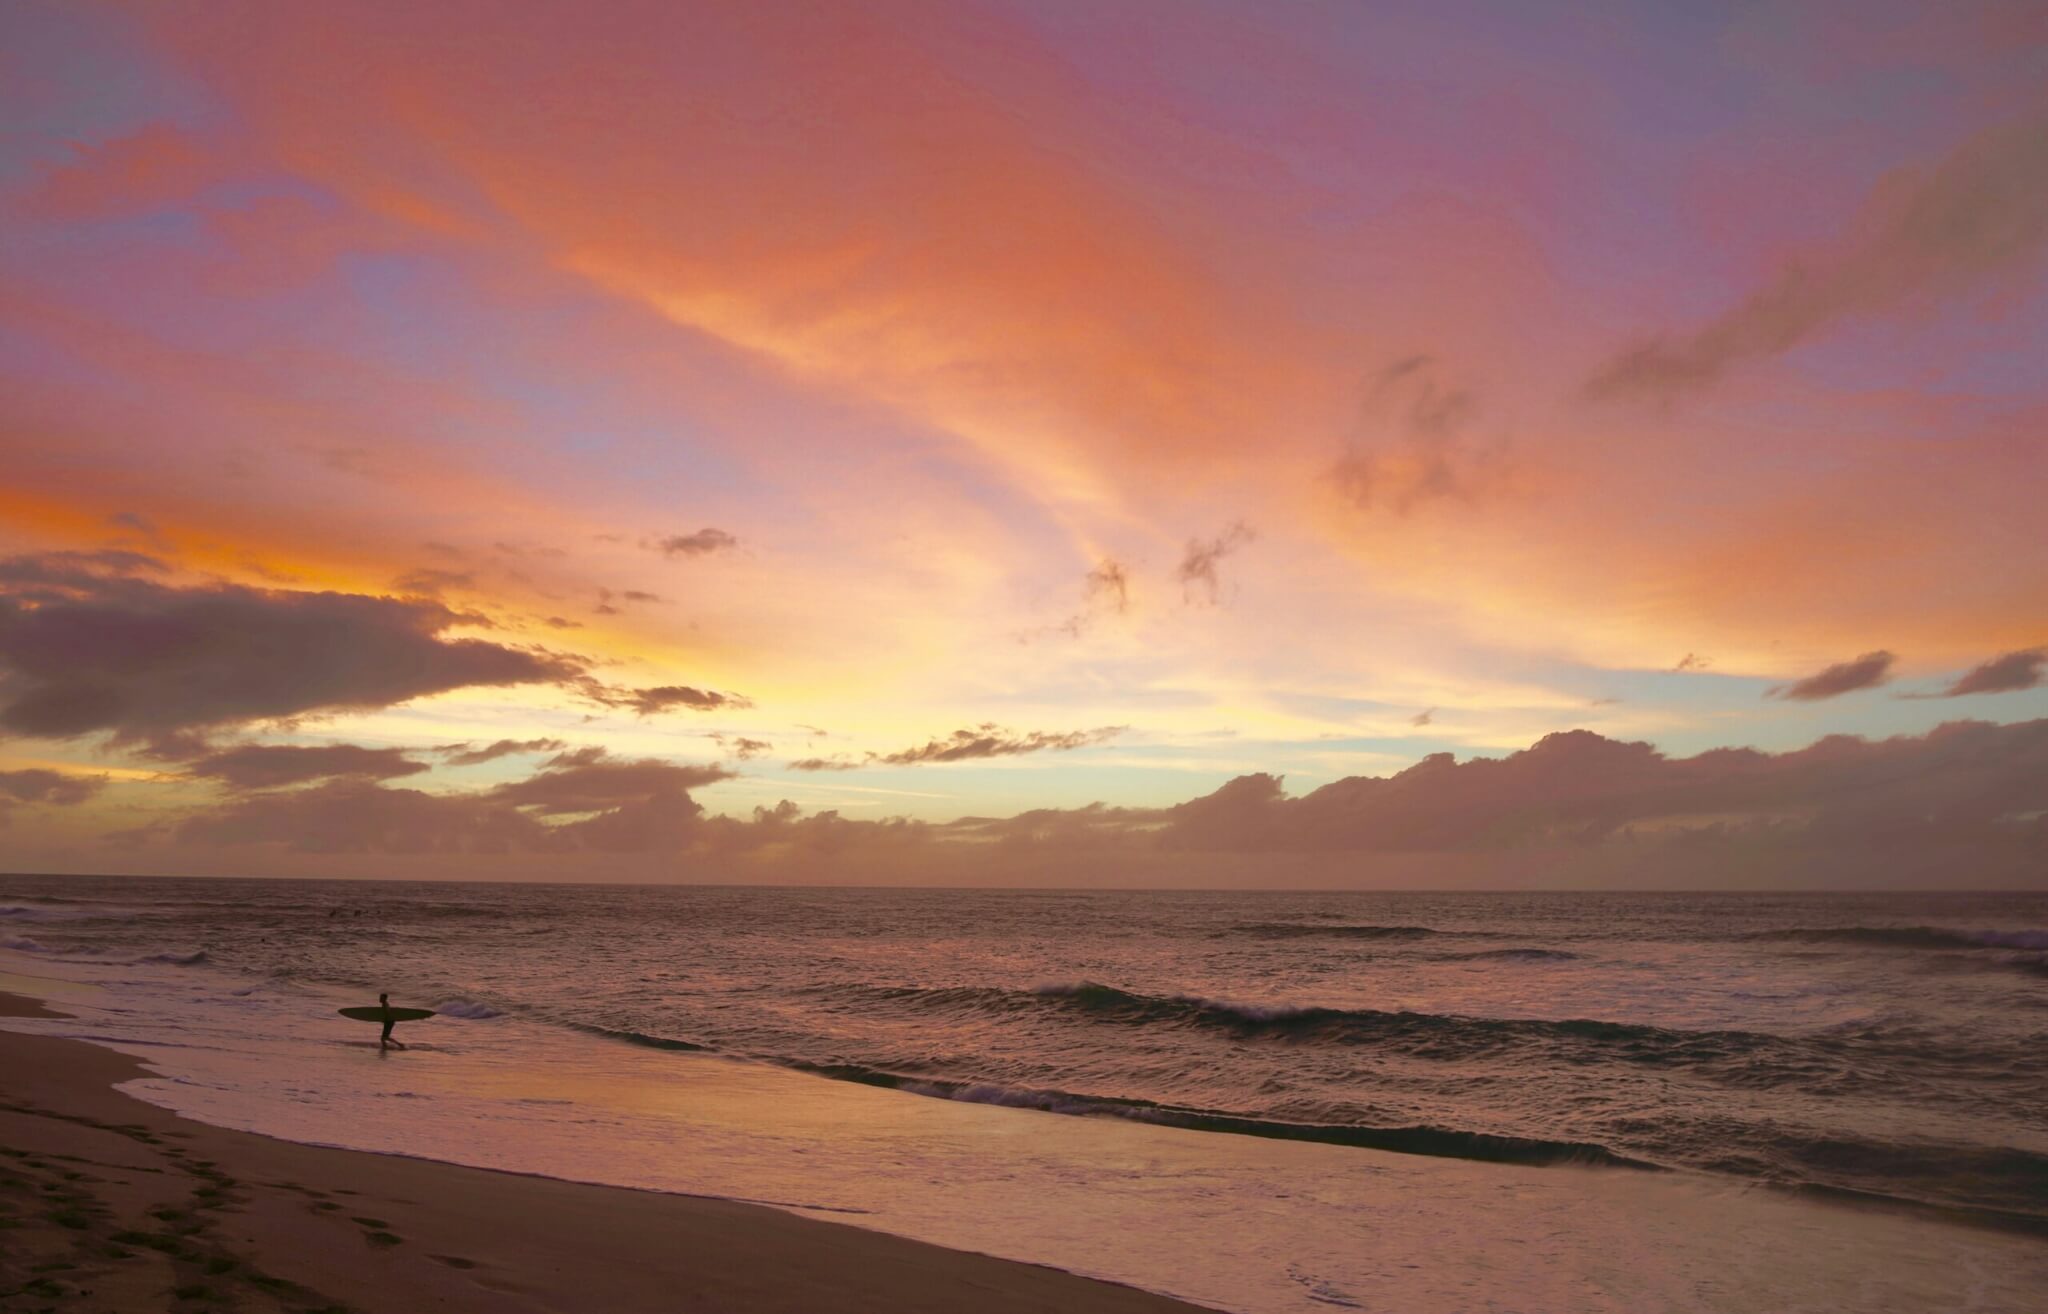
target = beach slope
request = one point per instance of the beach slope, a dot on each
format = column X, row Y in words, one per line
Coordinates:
column 108, row 1203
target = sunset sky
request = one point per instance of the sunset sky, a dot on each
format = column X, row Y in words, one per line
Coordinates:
column 527, row 439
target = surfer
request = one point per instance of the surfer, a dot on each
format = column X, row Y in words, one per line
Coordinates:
column 385, row 1041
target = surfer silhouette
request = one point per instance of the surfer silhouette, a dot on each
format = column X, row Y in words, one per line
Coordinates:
column 385, row 1016
column 385, row 1041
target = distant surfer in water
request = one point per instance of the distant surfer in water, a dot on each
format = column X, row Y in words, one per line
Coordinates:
column 385, row 1041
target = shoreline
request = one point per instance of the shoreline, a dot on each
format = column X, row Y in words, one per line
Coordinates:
column 112, row 1203
column 1231, row 1222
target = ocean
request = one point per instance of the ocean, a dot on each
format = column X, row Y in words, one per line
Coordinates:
column 1887, row 1049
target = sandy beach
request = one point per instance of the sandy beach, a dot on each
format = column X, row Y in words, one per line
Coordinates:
column 111, row 1204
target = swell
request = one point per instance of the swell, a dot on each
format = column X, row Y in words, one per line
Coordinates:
column 1906, row 937
column 1440, row 1142
column 643, row 1039
column 1509, row 956
column 1756, row 1057
column 1329, row 931
column 2001, row 1186
column 1875, row 1057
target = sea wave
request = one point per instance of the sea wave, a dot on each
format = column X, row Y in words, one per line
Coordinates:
column 640, row 1038
column 34, row 909
column 55, row 912
column 1331, row 930
column 2003, row 1188
column 1908, row 937
column 1442, row 1142
column 1510, row 955
column 467, row 1009
column 1830, row 1062
column 173, row 959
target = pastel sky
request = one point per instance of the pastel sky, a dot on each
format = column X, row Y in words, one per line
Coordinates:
column 909, row 441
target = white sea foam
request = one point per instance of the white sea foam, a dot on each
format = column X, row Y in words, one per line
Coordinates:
column 465, row 1008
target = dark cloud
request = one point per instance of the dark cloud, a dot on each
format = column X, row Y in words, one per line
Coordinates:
column 2010, row 673
column 702, row 543
column 990, row 740
column 1412, row 443
column 1691, row 662
column 461, row 755
column 1920, row 237
column 665, row 698
column 983, row 741
column 356, row 816
column 746, row 749
column 1866, row 672
column 89, row 645
column 269, row 766
column 1425, row 717
column 1197, row 569
column 581, row 800
column 641, row 595
column 562, row 623
column 591, row 780
column 56, row 788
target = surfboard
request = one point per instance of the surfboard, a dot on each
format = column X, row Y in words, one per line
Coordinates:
column 373, row 1013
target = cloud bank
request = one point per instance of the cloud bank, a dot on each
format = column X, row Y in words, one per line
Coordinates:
column 1965, row 804
column 585, row 800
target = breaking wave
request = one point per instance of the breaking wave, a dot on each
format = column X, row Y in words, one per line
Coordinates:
column 467, row 1009
column 640, row 1038
column 1830, row 1062
column 1448, row 1143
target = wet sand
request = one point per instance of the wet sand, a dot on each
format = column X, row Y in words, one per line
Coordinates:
column 111, row 1204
